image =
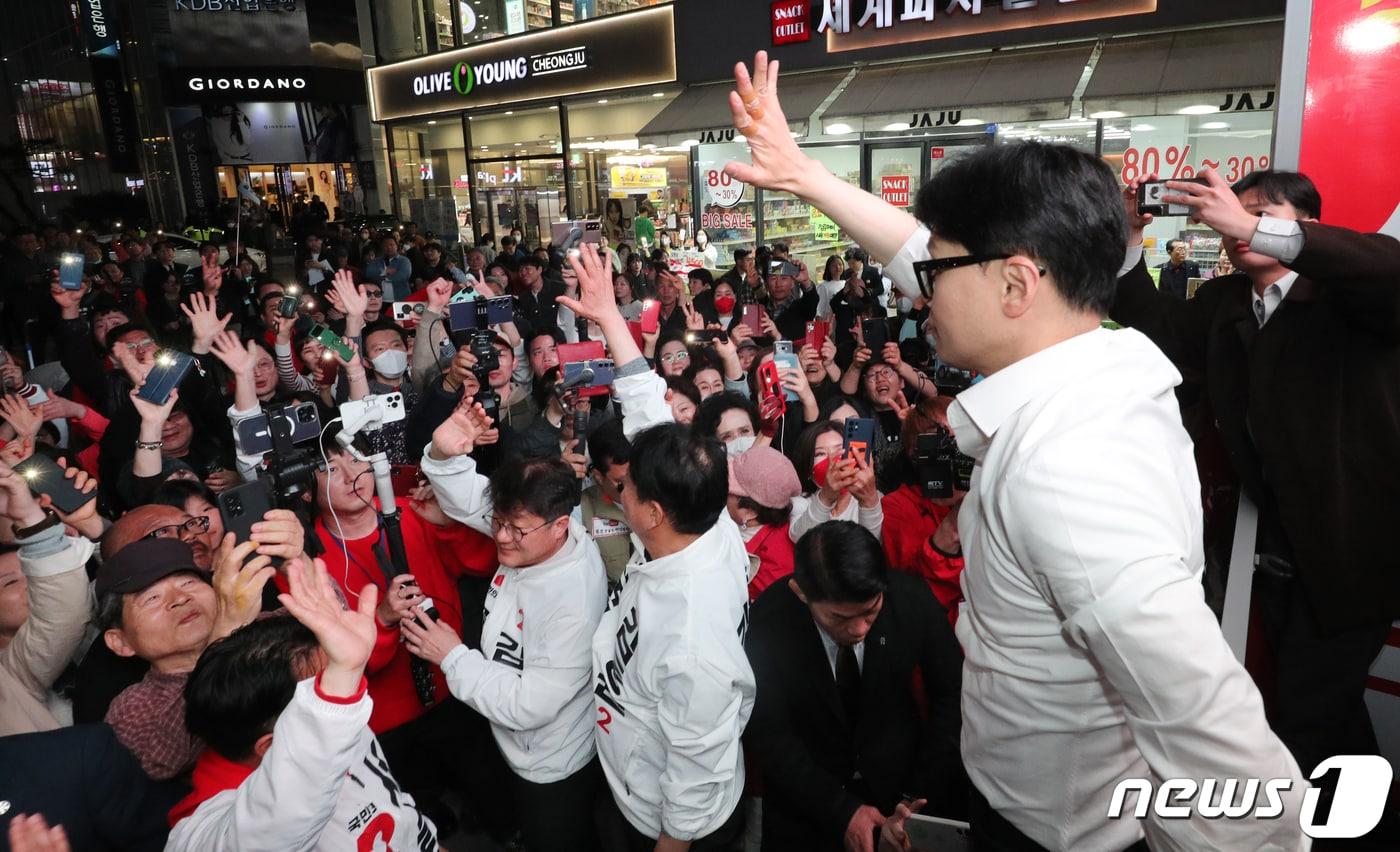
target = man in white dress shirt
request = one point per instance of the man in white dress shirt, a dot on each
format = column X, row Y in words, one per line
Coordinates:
column 1091, row 656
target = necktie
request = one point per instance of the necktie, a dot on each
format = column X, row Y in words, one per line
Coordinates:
column 848, row 682
column 1259, row 312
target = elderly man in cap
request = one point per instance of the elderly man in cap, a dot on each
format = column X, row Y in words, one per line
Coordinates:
column 155, row 603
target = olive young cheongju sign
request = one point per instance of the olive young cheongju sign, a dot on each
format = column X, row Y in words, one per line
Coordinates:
column 634, row 49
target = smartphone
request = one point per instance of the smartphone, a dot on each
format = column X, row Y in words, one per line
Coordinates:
column 301, row 419
column 707, row 336
column 405, row 478
column 44, row 476
column 328, row 370
column 651, row 316
column 817, row 331
column 287, row 307
column 636, row 330
column 603, row 375
column 1150, row 196
column 407, row 310
column 243, row 506
column 375, row 408
column 783, row 347
column 584, row 350
column 770, row 384
column 70, row 271
column 500, row 309
column 332, row 341
column 876, row 333
column 786, row 360
column 858, row 436
column 170, row 369
column 752, row 317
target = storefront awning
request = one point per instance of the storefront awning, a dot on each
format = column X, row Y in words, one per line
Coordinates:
column 1161, row 75
column 702, row 112
column 1020, row 85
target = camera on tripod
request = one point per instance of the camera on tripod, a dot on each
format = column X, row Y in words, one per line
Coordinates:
column 290, row 469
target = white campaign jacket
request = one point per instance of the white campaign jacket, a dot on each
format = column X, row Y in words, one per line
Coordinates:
column 672, row 685
column 532, row 676
column 323, row 785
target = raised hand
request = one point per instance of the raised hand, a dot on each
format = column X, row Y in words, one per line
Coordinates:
column 428, row 639
column 212, row 274
column 23, row 419
column 16, row 451
column 347, row 636
column 693, row 320
column 1214, row 204
column 238, row 587
column 11, row 374
column 152, row 414
column 769, row 327
column 439, row 292
column 133, row 366
column 595, row 300
column 574, row 459
column 398, row 603
column 900, row 404
column 33, row 834
column 58, row 408
column 458, row 434
column 1136, row 222
column 777, row 161
column 351, row 300
column 20, row 505
column 890, row 354
column 68, row 300
column 862, row 483
column 285, row 327
column 236, row 356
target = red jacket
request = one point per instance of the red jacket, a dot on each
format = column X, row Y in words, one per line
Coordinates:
column 774, row 550
column 910, row 522
column 389, row 671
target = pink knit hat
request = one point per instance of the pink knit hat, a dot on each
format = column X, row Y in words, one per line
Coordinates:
column 765, row 476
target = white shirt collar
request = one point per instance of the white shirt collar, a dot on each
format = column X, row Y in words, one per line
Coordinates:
column 980, row 410
column 1273, row 295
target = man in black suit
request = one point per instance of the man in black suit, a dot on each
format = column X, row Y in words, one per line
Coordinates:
column 156, row 273
column 83, row 779
column 839, row 730
column 792, row 299
column 1173, row 275
column 1299, row 351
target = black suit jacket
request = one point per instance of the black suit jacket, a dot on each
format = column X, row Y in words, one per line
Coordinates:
column 83, row 779
column 1308, row 408
column 798, row 734
column 1176, row 281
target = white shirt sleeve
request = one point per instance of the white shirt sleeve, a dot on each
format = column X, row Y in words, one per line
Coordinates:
column 643, row 400
column 1281, row 239
column 1114, row 565
column 701, row 720
column 900, row 270
column 463, row 494
column 533, row 696
column 292, row 795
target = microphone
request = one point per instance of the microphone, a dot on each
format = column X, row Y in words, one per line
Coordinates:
column 584, row 378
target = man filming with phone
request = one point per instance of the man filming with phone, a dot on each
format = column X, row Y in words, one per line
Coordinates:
column 1300, row 353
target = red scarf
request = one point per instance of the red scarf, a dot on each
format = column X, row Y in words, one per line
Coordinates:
column 213, row 774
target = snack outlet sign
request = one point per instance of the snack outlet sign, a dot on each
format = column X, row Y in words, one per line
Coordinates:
column 587, row 57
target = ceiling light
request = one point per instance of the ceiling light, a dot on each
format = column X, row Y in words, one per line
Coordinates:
column 590, row 138
column 968, row 122
column 483, row 147
column 510, row 112
column 689, row 143
column 896, row 126
column 1143, row 128
column 840, row 128
column 1056, row 125
column 658, row 94
column 1108, row 113
column 432, row 121
column 602, row 100
column 554, row 107
column 1198, row 109
column 1215, row 125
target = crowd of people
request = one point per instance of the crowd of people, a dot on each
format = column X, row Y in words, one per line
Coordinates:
column 753, row 560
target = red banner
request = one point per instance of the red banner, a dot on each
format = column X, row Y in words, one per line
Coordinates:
column 1353, row 66
column 792, row 21
column 894, row 189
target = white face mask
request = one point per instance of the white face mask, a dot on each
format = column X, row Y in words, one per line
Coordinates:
column 740, row 445
column 391, row 363
column 701, row 240
column 905, row 304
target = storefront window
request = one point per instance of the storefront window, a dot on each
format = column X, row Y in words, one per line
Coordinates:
column 430, row 173
column 523, row 194
column 483, row 20
column 1233, row 144
column 810, row 234
column 1079, row 133
column 407, row 28
column 583, row 10
column 727, row 207
column 612, row 173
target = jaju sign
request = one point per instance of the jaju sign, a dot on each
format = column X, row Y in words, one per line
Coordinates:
column 853, row 24
column 792, row 21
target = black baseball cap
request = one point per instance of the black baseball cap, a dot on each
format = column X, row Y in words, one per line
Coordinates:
column 142, row 563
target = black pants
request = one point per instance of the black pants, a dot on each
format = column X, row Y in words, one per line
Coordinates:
column 992, row 832
column 727, row 837
column 562, row 816
column 1318, row 705
column 450, row 748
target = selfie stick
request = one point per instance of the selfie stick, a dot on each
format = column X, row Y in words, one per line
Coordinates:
column 371, row 419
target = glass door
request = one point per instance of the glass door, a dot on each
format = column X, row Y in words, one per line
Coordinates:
column 896, row 173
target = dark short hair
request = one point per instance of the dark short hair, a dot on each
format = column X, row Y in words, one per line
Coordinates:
column 1284, row 187
column 608, row 445
column 433, row 246
column 712, row 409
column 177, row 492
column 1053, row 203
column 840, row 562
column 684, row 386
column 115, row 334
column 683, row 470
column 542, row 387
column 269, row 296
column 703, row 275
column 532, row 260
column 768, row 516
column 242, row 683
column 804, row 456
column 740, row 254
column 546, row 487
column 384, row 325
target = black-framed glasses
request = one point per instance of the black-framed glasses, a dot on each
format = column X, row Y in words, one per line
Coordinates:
column 927, row 270
column 516, row 533
column 197, row 525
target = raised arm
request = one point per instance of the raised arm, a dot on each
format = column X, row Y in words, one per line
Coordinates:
column 778, row 163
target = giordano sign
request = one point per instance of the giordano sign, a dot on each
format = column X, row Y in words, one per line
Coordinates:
column 634, row 49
